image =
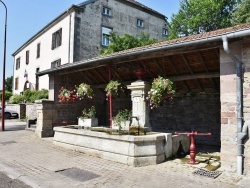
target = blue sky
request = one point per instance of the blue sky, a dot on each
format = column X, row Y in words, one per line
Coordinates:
column 27, row 17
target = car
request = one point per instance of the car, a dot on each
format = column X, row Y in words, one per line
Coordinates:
column 8, row 113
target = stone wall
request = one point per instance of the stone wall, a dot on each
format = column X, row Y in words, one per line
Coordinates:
column 229, row 145
column 199, row 113
column 246, row 99
column 228, row 108
column 24, row 110
column 122, row 21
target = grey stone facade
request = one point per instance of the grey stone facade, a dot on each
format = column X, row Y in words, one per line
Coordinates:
column 122, row 20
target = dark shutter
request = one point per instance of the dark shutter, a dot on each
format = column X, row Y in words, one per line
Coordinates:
column 53, row 41
column 60, row 37
column 38, row 50
column 27, row 56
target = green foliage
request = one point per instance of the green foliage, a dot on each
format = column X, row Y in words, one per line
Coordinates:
column 9, row 84
column 119, row 43
column 161, row 89
column 196, row 16
column 29, row 96
column 122, row 115
column 90, row 113
column 16, row 99
column 32, row 95
column 8, row 94
column 242, row 13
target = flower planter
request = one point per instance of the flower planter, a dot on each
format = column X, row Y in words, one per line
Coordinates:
column 91, row 122
column 124, row 125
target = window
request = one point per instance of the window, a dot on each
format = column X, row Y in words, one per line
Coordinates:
column 27, row 57
column 139, row 23
column 18, row 63
column 165, row 31
column 106, row 11
column 56, row 39
column 56, row 63
column 16, row 83
column 38, row 50
column 106, row 36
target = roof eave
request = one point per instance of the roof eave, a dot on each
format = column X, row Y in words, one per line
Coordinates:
column 152, row 48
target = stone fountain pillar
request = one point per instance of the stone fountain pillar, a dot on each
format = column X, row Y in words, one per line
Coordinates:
column 140, row 107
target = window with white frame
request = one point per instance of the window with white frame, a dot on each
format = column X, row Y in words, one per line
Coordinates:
column 106, row 11
column 56, row 63
column 18, row 63
column 106, row 36
column 139, row 23
column 16, row 83
column 56, row 39
column 165, row 31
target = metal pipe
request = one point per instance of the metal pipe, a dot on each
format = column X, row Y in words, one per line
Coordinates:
column 239, row 88
column 4, row 62
column 110, row 101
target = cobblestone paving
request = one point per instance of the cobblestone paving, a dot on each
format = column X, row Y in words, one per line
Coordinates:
column 37, row 162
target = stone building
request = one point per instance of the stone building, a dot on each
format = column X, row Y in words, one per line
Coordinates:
column 79, row 33
column 211, row 73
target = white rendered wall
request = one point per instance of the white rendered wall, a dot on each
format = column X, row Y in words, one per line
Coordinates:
column 47, row 55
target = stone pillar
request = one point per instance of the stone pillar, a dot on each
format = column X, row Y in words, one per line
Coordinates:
column 45, row 116
column 140, row 106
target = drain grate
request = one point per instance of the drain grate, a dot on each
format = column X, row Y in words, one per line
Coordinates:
column 78, row 174
column 8, row 142
column 207, row 173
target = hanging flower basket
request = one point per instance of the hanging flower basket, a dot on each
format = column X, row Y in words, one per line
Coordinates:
column 114, row 88
column 67, row 95
column 84, row 91
column 162, row 88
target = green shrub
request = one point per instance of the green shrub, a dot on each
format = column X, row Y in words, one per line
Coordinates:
column 29, row 96
column 16, row 99
column 8, row 94
column 32, row 95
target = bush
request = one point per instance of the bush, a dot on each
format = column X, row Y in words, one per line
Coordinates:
column 8, row 94
column 16, row 99
column 32, row 95
column 29, row 96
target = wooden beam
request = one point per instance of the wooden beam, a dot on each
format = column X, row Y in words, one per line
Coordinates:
column 191, row 71
column 161, row 69
column 172, row 66
column 195, row 76
column 205, row 65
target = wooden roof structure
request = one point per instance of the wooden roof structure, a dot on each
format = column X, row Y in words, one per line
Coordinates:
column 192, row 62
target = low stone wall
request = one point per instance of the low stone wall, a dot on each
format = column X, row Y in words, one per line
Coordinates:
column 127, row 149
column 24, row 110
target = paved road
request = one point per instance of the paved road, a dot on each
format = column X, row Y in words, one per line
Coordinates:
column 39, row 163
column 7, row 182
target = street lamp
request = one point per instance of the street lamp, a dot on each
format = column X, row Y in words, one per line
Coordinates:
column 4, row 60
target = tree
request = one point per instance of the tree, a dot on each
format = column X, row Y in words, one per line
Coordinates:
column 198, row 16
column 9, row 84
column 242, row 13
column 119, row 43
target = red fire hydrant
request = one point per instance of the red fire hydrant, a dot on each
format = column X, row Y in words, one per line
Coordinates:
column 192, row 144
